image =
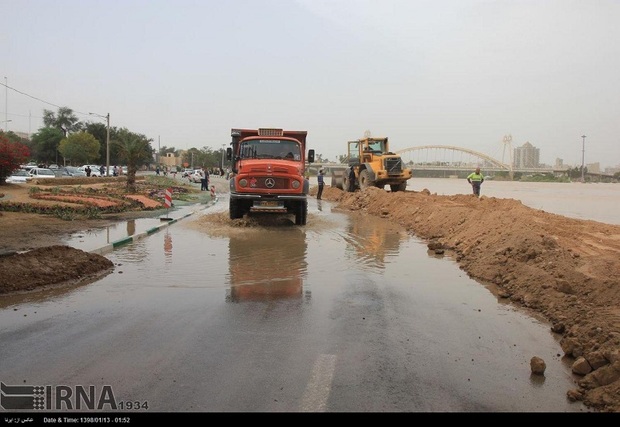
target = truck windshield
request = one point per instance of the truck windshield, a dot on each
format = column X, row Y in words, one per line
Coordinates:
column 270, row 149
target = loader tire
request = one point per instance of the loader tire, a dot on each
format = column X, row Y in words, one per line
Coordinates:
column 365, row 181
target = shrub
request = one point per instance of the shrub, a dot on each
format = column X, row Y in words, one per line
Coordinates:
column 12, row 155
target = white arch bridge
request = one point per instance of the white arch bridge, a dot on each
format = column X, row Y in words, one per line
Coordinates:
column 452, row 158
column 455, row 158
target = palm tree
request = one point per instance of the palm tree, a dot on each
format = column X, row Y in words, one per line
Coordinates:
column 134, row 150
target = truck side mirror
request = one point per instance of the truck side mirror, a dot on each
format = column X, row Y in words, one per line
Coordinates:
column 310, row 156
column 228, row 153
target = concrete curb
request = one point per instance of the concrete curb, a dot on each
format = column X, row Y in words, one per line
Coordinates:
column 130, row 239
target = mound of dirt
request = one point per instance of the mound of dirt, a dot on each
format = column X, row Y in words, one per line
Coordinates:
column 52, row 265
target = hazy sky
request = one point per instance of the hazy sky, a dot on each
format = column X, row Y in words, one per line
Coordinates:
column 437, row 72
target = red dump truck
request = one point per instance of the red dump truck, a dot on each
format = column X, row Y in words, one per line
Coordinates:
column 268, row 168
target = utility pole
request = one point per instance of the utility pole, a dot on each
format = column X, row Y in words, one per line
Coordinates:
column 583, row 159
column 107, row 146
column 107, row 141
column 6, row 105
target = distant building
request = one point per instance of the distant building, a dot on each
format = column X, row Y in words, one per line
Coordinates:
column 170, row 161
column 593, row 167
column 559, row 164
column 613, row 170
column 526, row 156
column 23, row 135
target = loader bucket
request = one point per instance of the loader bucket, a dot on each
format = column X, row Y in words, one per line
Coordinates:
column 338, row 179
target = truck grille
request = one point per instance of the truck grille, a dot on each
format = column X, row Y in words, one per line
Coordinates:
column 393, row 165
column 279, row 183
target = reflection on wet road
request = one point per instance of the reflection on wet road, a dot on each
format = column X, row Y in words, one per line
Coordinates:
column 349, row 313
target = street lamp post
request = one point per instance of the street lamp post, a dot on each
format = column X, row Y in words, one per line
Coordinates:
column 107, row 141
column 583, row 158
column 6, row 104
column 223, row 150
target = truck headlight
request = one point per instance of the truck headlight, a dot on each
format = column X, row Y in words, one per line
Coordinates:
column 243, row 182
column 295, row 184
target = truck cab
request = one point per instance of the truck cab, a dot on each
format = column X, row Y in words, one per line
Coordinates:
column 268, row 166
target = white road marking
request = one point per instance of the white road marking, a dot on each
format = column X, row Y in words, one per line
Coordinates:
column 319, row 386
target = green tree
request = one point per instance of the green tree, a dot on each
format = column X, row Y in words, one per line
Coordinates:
column 99, row 131
column 12, row 155
column 80, row 148
column 134, row 150
column 11, row 136
column 64, row 120
column 205, row 157
column 45, row 144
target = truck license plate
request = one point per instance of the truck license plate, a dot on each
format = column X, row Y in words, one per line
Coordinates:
column 267, row 204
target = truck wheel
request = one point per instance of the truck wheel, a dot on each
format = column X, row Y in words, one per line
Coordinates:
column 365, row 181
column 235, row 209
column 301, row 214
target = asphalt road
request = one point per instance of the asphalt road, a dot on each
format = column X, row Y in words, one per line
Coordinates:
column 347, row 314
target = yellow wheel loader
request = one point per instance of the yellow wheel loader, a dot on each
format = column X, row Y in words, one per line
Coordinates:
column 371, row 164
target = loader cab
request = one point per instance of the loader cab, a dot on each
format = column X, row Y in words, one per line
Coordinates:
column 376, row 146
column 370, row 148
column 354, row 153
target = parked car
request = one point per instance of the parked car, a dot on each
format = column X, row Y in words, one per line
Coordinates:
column 19, row 175
column 94, row 170
column 120, row 170
column 73, row 171
column 42, row 173
column 196, row 176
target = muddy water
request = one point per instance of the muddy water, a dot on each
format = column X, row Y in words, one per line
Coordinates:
column 595, row 201
column 346, row 314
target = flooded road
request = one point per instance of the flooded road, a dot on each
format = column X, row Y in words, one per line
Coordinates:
column 349, row 313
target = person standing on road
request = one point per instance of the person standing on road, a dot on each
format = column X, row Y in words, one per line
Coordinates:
column 351, row 180
column 101, row 170
column 321, row 180
column 204, row 180
column 88, row 170
column 475, row 179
